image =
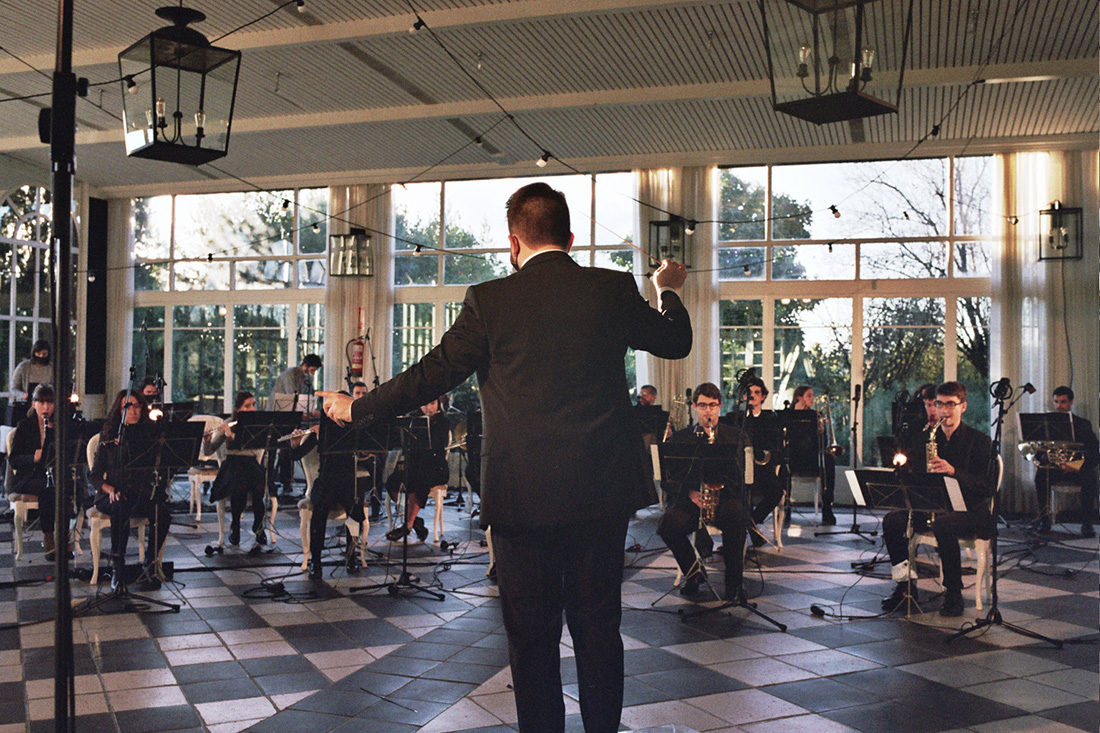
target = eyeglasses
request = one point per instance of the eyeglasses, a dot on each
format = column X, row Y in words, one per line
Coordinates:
column 707, row 405
column 947, row 405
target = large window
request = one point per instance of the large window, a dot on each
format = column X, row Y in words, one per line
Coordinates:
column 888, row 289
column 230, row 289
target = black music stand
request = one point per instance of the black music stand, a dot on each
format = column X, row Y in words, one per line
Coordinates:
column 415, row 433
column 712, row 463
column 261, row 429
column 652, row 419
column 178, row 411
column 800, row 452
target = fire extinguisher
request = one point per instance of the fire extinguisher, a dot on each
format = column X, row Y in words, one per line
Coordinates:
column 355, row 350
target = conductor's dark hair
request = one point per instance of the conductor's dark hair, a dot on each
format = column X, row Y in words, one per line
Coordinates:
column 539, row 215
column 706, row 389
column 311, row 360
column 1063, row 391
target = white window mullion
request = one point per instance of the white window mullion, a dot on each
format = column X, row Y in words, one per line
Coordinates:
column 857, row 373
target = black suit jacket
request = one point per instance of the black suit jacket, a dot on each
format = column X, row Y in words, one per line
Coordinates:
column 561, row 443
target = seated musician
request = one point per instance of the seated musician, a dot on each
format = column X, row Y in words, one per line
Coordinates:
column 124, row 492
column 767, row 489
column 804, row 400
column 425, row 468
column 1085, row 476
column 241, row 474
column 962, row 452
column 32, row 450
column 682, row 515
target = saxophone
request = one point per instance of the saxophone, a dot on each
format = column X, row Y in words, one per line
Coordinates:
column 708, row 492
column 931, row 450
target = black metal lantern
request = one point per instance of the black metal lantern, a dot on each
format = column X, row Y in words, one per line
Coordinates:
column 178, row 92
column 351, row 254
column 1060, row 233
column 823, row 55
column 668, row 240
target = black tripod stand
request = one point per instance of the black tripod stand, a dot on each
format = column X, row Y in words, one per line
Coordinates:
column 866, row 535
column 1001, row 392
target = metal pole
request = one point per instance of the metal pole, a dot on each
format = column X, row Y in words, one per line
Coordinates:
column 62, row 157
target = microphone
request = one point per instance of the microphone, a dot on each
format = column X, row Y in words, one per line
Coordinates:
column 859, row 392
column 1029, row 388
column 1001, row 389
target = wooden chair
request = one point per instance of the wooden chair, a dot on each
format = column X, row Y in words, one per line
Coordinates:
column 982, row 549
column 98, row 521
column 197, row 475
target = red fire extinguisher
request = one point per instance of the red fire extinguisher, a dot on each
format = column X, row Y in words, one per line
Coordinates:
column 356, row 347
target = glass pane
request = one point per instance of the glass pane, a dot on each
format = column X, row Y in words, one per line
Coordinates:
column 151, row 276
column 464, row 397
column 202, row 276
column 741, row 313
column 615, row 259
column 972, row 338
column 415, row 270
column 889, row 260
column 615, row 209
column 416, row 215
column 263, row 274
column 151, row 223
column 5, row 343
column 741, row 204
column 741, row 263
column 741, row 349
column 198, row 352
column 260, row 346
column 311, row 330
column 312, row 274
column 413, row 333
column 896, row 198
column 467, row 270
column 973, row 259
column 475, row 213
column 5, row 286
column 26, row 262
column 973, row 195
column 24, row 338
column 903, row 312
column 148, row 344
column 312, row 211
column 814, row 262
column 234, row 224
column 197, row 316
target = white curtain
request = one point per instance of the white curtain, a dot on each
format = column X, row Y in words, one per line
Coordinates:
column 120, row 298
column 368, row 206
column 1045, row 328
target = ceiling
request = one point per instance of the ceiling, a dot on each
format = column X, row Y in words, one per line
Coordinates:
column 343, row 92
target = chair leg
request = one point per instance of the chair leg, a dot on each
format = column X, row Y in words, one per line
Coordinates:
column 221, row 522
column 96, row 540
column 141, row 543
column 305, row 516
column 20, row 521
column 439, row 494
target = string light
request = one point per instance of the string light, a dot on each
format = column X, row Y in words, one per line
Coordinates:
column 316, row 227
column 835, row 210
column 301, row 6
column 1013, row 220
column 479, row 142
column 690, row 228
column 417, row 251
column 906, row 215
column 748, row 271
column 131, row 85
column 830, row 247
column 541, row 162
column 286, row 204
column 935, row 131
column 417, row 25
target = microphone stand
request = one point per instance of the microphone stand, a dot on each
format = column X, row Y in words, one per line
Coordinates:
column 993, row 616
column 373, row 364
column 855, row 464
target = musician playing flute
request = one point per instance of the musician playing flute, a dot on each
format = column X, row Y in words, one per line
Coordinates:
column 241, row 474
column 682, row 515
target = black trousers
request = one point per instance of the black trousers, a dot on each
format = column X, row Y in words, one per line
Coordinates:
column 542, row 571
column 767, row 492
column 325, row 502
column 1044, row 477
column 948, row 529
column 133, row 502
column 682, row 518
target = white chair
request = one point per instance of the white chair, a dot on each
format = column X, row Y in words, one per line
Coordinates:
column 20, row 503
column 197, row 475
column 982, row 549
column 439, row 494
column 98, row 521
column 355, row 529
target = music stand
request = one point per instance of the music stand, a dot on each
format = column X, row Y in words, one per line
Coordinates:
column 414, row 437
column 261, row 429
column 178, row 411
column 729, row 464
column 1044, row 426
column 652, row 418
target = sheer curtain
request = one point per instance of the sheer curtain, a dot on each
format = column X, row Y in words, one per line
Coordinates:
column 368, row 206
column 687, row 192
column 1045, row 328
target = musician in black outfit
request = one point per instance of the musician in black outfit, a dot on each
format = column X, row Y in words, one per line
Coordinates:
column 804, row 400
column 241, row 474
column 125, row 492
column 767, row 489
column 425, row 468
column 1085, row 476
column 962, row 452
column 682, row 515
column 32, row 451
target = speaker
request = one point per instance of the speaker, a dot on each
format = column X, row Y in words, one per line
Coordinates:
column 95, row 324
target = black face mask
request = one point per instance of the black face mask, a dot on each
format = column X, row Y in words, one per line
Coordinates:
column 37, row 360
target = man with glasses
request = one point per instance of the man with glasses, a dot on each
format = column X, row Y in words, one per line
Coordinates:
column 963, row 453
column 682, row 516
column 1085, row 475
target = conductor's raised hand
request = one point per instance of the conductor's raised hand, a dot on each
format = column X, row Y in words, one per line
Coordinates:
column 670, row 275
column 337, row 406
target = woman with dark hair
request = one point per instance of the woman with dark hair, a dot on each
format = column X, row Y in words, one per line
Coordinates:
column 127, row 492
column 241, row 475
column 36, row 369
column 32, row 450
column 425, row 468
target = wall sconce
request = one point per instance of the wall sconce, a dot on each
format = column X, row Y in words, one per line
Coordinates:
column 178, row 92
column 351, row 254
column 1060, row 233
column 668, row 240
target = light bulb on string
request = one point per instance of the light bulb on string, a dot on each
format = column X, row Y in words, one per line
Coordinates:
column 1013, row 220
column 690, row 228
column 286, row 204
column 748, row 271
column 301, row 6
column 417, row 25
column 541, row 162
column 316, row 227
column 835, row 211
column 417, row 251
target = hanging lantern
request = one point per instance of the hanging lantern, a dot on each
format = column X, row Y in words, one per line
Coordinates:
column 1060, row 233
column 178, row 92
column 667, row 239
column 823, row 60
column 350, row 255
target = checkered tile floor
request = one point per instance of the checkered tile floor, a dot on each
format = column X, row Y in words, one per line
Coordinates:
column 258, row 647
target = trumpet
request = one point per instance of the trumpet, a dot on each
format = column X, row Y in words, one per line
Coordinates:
column 833, row 449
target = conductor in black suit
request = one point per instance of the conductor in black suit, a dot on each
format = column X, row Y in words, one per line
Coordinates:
column 562, row 455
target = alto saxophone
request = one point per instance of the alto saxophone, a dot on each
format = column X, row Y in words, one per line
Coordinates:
column 708, row 492
column 931, row 450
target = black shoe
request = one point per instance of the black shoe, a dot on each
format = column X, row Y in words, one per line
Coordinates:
column 261, row 537
column 737, row 596
column 690, row 586
column 492, row 574
column 315, row 570
column 420, row 528
column 1087, row 530
column 118, row 574
column 903, row 592
column 828, row 519
column 952, row 604
column 755, row 537
column 397, row 534
column 235, row 536
column 351, row 562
